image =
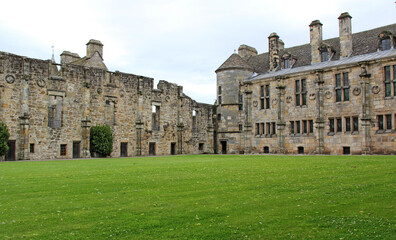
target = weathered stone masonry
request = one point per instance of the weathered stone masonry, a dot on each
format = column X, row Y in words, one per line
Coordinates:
column 49, row 109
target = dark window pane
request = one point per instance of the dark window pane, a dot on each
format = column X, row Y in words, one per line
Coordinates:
column 297, row 86
column 338, row 80
column 297, row 99
column 262, row 129
column 267, row 90
column 387, row 73
column 298, row 127
column 219, row 89
column 388, row 89
column 331, row 124
column 262, row 91
column 267, row 103
column 273, row 128
column 219, row 100
column 339, row 125
column 346, row 94
column 347, row 124
column 394, row 72
column 346, row 79
column 338, row 95
column 380, row 122
column 386, row 44
column 268, row 128
column 262, row 103
column 394, row 88
column 292, row 127
column 304, row 98
column 324, row 56
column 257, row 129
column 311, row 126
column 305, row 126
column 388, row 121
column 355, row 124
column 287, row 63
column 303, row 85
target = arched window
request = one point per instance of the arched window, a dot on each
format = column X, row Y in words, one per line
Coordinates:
column 385, row 41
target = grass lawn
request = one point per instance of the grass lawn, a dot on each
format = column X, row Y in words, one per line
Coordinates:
column 200, row 197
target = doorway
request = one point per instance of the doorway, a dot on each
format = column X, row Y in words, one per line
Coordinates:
column 300, row 150
column 76, row 149
column 223, row 147
column 10, row 156
column 173, row 148
column 124, row 149
column 152, row 149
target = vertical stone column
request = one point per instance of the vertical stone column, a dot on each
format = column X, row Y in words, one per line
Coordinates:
column 180, row 129
column 85, row 125
column 248, row 119
column 86, row 122
column 180, row 125
column 24, row 119
column 280, row 120
column 366, row 116
column 139, row 128
column 319, row 108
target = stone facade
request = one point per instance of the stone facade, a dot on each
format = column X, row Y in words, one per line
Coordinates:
column 49, row 109
column 335, row 96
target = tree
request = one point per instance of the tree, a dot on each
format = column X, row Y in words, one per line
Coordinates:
column 101, row 140
column 4, row 135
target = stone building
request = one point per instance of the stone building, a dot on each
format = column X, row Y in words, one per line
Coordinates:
column 334, row 96
column 49, row 109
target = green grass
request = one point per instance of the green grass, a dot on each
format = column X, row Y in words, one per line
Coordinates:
column 200, row 197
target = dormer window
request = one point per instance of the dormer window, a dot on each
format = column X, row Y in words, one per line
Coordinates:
column 386, row 41
column 287, row 63
column 324, row 56
column 386, row 44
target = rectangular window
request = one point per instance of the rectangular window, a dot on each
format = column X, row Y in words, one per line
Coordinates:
column 355, row 121
column 32, row 148
column 347, row 124
column 305, row 126
column 342, row 87
column 388, row 86
column 325, row 56
column 257, row 128
column 331, row 125
column 287, row 63
column 63, row 149
column 240, row 100
column 273, row 128
column 268, row 128
column 219, row 90
column 298, row 126
column 388, row 121
column 240, row 127
column 339, row 125
column 265, row 97
column 200, row 146
column 155, row 118
column 55, row 111
column 301, row 92
column 385, row 44
column 292, row 127
column 311, row 126
column 262, row 129
column 380, row 122
column 220, row 100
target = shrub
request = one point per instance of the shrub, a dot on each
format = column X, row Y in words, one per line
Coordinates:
column 4, row 135
column 101, row 140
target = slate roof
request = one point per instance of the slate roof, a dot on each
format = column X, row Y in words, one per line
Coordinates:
column 362, row 43
column 234, row 62
column 322, row 65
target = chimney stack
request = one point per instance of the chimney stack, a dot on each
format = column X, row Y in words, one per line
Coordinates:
column 94, row 46
column 315, row 29
column 245, row 52
column 345, row 34
column 273, row 49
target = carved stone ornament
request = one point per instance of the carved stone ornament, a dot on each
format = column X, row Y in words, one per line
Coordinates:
column 356, row 91
column 274, row 102
column 328, row 94
column 289, row 99
column 255, row 103
column 99, row 91
column 167, row 98
column 122, row 93
column 10, row 79
column 40, row 82
column 376, row 89
column 312, row 96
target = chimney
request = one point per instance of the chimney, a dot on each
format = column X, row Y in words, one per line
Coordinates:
column 273, row 49
column 68, row 57
column 245, row 52
column 315, row 29
column 345, row 34
column 281, row 45
column 94, row 46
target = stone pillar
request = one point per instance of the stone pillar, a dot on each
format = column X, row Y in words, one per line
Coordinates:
column 24, row 137
column 139, row 128
column 180, row 129
column 248, row 119
column 365, row 118
column 319, row 108
column 86, row 133
column 280, row 120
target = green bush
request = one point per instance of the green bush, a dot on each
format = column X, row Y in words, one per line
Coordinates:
column 101, row 140
column 4, row 135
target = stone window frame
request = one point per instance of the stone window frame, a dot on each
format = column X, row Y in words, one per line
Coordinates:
column 355, row 124
column 265, row 100
column 301, row 92
column 336, row 125
column 52, row 109
column 389, row 80
column 194, row 125
column 287, row 61
column 342, row 86
column 302, row 127
column 386, row 40
column 347, row 124
column 385, row 123
column 326, row 52
column 63, row 150
column 156, row 116
column 32, row 148
column 311, row 126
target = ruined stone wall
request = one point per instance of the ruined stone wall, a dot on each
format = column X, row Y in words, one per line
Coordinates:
column 50, row 108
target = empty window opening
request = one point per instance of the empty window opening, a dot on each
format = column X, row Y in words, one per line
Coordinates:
column 200, row 146
column 32, row 148
column 155, row 118
column 347, row 150
column 63, row 149
column 152, row 149
column 300, row 150
column 266, row 149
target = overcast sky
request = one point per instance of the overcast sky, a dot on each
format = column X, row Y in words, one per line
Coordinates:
column 181, row 41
